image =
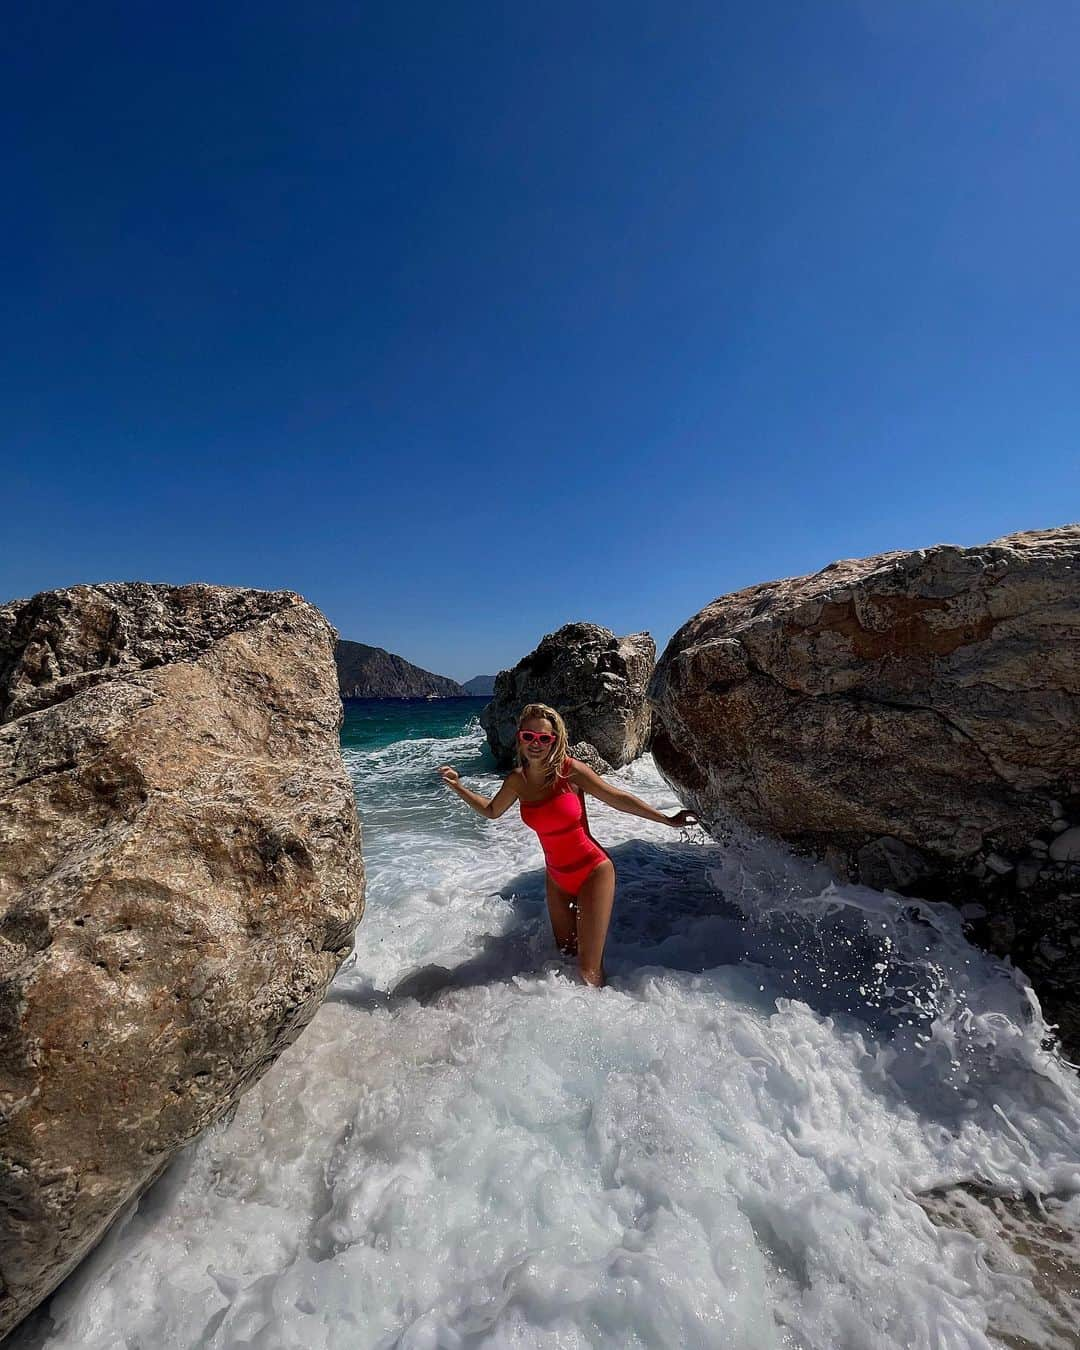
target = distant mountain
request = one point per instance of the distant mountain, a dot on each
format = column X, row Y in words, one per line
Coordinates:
column 370, row 672
column 480, row 686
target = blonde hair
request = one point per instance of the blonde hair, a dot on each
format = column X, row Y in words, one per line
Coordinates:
column 557, row 757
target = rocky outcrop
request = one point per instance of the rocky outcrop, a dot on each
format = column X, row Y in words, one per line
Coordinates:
column 370, row 672
column 180, row 878
column 480, row 686
column 596, row 680
column 587, row 754
column 915, row 718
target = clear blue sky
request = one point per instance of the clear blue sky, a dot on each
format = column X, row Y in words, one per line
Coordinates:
column 467, row 320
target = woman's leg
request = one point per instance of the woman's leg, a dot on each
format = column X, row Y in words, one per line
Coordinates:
column 595, row 901
column 563, row 918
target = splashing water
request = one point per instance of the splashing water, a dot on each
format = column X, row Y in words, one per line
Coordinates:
column 725, row 1147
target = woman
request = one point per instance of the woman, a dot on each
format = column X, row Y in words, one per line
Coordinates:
column 550, row 788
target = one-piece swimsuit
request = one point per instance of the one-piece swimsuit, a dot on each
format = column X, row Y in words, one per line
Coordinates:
column 559, row 820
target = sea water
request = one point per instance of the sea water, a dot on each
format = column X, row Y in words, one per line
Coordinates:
column 724, row 1148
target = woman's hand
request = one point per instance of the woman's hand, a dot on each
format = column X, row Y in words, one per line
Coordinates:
column 681, row 819
column 449, row 776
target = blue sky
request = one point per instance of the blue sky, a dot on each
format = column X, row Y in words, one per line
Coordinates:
column 468, row 320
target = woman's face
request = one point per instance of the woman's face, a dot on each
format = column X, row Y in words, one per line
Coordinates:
column 535, row 751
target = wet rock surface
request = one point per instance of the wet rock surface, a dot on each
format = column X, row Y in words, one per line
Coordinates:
column 180, row 878
column 914, row 718
column 1032, row 1247
column 596, row 680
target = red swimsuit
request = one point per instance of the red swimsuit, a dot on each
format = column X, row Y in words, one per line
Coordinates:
column 559, row 821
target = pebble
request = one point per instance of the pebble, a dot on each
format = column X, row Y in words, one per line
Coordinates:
column 1066, row 847
column 1058, row 825
column 1027, row 873
column 998, row 864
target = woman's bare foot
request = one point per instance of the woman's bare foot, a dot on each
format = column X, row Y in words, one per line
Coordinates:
column 595, row 978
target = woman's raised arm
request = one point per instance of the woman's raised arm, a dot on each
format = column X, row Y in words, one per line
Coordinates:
column 589, row 781
column 491, row 807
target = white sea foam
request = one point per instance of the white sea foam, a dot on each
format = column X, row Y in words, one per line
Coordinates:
column 469, row 1149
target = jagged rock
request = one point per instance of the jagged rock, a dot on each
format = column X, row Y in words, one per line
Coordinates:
column 180, row 878
column 929, row 698
column 589, row 755
column 596, row 680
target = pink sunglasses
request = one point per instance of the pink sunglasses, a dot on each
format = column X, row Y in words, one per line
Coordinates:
column 540, row 737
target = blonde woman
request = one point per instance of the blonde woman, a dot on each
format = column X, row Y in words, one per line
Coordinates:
column 550, row 788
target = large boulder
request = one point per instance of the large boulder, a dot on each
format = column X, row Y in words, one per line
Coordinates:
column 914, row 717
column 596, row 680
column 180, row 877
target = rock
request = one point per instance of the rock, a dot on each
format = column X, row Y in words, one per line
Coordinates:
column 1027, row 873
column 930, row 697
column 588, row 754
column 838, row 863
column 180, row 878
column 1000, row 930
column 1066, row 846
column 596, row 680
column 1030, row 1246
column 889, row 864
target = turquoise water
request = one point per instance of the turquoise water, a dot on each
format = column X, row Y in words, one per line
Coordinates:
column 373, row 723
